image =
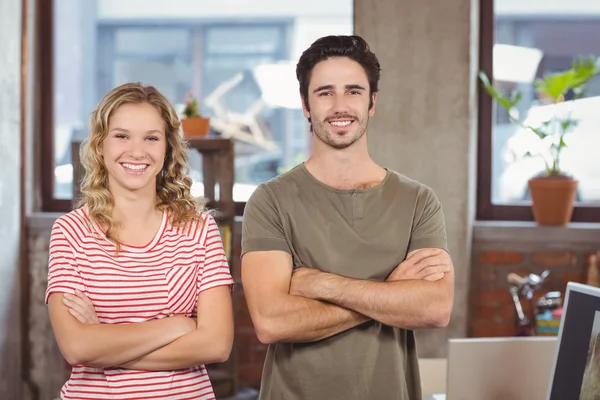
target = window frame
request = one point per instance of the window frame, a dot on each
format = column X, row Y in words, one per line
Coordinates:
column 45, row 124
column 486, row 210
column 44, row 92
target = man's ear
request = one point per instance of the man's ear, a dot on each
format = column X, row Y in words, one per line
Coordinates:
column 372, row 109
column 305, row 107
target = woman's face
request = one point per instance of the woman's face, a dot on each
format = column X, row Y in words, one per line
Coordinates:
column 135, row 148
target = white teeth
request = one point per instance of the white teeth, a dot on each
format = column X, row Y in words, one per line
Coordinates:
column 135, row 167
column 340, row 123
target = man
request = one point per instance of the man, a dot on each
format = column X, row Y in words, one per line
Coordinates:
column 342, row 258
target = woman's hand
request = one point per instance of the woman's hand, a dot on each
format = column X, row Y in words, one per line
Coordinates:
column 81, row 307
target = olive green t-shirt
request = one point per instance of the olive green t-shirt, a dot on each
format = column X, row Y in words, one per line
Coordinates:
column 361, row 234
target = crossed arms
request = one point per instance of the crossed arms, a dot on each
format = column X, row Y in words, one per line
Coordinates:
column 305, row 305
column 163, row 344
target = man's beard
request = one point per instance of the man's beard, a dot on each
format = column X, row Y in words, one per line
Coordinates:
column 332, row 139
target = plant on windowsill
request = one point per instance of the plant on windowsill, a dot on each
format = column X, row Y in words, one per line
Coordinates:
column 552, row 191
column 193, row 124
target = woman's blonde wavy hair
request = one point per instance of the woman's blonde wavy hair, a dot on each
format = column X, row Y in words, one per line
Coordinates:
column 173, row 184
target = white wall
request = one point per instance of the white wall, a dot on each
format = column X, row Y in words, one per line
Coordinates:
column 10, row 197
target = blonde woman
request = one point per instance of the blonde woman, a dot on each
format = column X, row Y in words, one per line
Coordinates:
column 138, row 284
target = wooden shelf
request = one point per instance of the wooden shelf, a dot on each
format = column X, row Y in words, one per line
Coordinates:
column 218, row 167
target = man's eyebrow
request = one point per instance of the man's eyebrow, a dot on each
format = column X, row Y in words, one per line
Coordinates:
column 354, row 86
column 323, row 87
column 330, row 87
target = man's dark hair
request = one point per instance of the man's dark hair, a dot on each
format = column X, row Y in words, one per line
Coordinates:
column 354, row 47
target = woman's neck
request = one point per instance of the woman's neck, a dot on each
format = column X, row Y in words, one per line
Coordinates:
column 136, row 211
column 134, row 207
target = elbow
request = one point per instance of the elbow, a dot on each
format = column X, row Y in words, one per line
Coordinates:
column 442, row 320
column 71, row 357
column 220, row 347
column 440, row 316
column 266, row 331
column 78, row 352
column 265, row 335
column 74, row 353
column 221, row 354
column 223, row 349
column 441, row 309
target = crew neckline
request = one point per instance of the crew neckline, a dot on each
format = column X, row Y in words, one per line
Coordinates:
column 133, row 248
column 310, row 176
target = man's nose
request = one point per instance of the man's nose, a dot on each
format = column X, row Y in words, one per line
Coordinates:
column 340, row 104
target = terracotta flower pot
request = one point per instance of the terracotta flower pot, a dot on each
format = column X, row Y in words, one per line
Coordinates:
column 195, row 126
column 553, row 199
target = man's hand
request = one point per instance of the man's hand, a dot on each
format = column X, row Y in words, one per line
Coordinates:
column 304, row 279
column 425, row 264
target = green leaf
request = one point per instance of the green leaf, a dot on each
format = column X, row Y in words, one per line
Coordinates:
column 568, row 124
column 561, row 142
column 539, row 132
column 508, row 103
column 555, row 85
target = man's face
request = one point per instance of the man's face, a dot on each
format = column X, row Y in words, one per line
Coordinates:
column 338, row 100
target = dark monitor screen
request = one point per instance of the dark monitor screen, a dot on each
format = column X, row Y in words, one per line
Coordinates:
column 577, row 367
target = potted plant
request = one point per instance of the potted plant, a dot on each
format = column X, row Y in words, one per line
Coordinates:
column 193, row 124
column 553, row 191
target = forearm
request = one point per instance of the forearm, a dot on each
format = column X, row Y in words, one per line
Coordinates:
column 299, row 319
column 198, row 347
column 107, row 345
column 409, row 304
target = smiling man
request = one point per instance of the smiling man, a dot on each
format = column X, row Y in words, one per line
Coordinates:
column 341, row 258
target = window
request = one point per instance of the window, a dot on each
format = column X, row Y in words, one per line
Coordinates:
column 238, row 57
column 520, row 42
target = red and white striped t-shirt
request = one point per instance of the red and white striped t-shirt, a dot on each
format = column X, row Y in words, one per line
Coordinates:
column 136, row 285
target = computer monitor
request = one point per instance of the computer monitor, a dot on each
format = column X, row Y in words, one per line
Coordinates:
column 500, row 368
column 576, row 370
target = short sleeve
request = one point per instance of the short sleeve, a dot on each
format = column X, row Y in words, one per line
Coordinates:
column 63, row 274
column 262, row 227
column 215, row 271
column 429, row 226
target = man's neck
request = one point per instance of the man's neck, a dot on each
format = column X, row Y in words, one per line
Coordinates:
column 349, row 168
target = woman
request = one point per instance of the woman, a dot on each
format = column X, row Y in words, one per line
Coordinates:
column 138, row 284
